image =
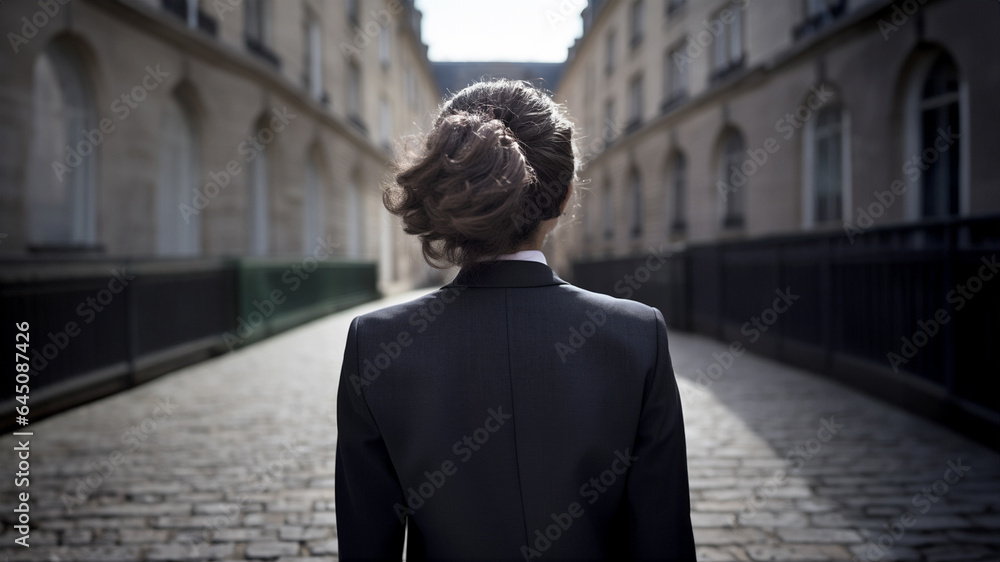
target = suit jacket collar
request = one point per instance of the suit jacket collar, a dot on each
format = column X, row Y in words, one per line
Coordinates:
column 506, row 273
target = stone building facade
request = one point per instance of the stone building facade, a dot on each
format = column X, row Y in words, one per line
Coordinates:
column 713, row 120
column 191, row 128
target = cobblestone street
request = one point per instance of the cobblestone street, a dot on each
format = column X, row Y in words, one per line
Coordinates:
column 233, row 458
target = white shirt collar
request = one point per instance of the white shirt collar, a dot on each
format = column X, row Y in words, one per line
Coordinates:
column 527, row 255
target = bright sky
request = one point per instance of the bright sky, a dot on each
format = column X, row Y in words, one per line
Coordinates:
column 500, row 30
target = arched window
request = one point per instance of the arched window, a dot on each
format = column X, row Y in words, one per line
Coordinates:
column 939, row 145
column 635, row 194
column 312, row 204
column 258, row 196
column 732, row 181
column 177, row 233
column 825, row 166
column 678, row 193
column 62, row 167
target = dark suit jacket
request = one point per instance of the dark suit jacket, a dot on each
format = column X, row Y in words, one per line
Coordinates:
column 510, row 415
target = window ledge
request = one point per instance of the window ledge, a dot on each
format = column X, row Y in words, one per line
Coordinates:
column 673, row 102
column 356, row 120
column 721, row 74
column 263, row 51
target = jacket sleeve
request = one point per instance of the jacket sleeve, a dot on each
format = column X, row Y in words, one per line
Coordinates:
column 659, row 507
column 367, row 489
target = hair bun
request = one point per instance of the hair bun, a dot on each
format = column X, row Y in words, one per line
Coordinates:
column 475, row 176
column 471, row 192
column 482, row 151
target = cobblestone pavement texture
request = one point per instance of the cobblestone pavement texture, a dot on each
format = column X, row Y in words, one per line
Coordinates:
column 233, row 459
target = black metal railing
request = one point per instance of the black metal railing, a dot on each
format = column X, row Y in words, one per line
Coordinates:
column 909, row 313
column 98, row 326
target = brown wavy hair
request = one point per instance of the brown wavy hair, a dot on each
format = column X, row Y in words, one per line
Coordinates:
column 498, row 161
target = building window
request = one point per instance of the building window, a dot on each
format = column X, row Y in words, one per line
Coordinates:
column 675, row 73
column 727, row 50
column 818, row 14
column 589, row 82
column 259, row 197
column 939, row 123
column 608, row 212
column 635, row 195
column 410, row 87
column 256, row 21
column 610, row 131
column 638, row 12
column 312, row 205
column 818, row 8
column 732, row 181
column 355, row 218
column 827, row 166
column 313, row 63
column 387, row 267
column 354, row 95
column 635, row 105
column 588, row 220
column 178, row 232
column 191, row 18
column 609, row 54
column 188, row 12
column 384, row 54
column 257, row 30
column 385, row 124
column 352, row 13
column 61, row 191
column 678, row 194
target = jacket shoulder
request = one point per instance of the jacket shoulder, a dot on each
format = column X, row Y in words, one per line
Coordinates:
column 402, row 312
column 613, row 305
